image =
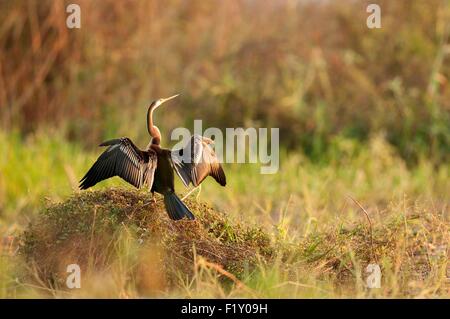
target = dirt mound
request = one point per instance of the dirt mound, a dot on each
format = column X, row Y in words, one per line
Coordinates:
column 98, row 230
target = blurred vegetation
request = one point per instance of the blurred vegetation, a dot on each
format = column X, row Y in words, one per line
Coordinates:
column 45, row 168
column 126, row 246
column 363, row 114
column 312, row 69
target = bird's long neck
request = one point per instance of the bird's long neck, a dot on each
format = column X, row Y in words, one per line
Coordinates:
column 152, row 129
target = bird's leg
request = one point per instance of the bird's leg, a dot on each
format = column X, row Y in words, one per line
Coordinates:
column 199, row 191
column 189, row 193
column 153, row 198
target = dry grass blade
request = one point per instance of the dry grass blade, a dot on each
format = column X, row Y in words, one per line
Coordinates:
column 370, row 226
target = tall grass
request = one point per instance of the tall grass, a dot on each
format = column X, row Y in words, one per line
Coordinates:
column 314, row 70
column 45, row 167
column 363, row 115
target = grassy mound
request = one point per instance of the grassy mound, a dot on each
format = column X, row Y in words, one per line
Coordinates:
column 126, row 244
column 105, row 230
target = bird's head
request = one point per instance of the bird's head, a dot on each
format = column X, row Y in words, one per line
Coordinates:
column 158, row 102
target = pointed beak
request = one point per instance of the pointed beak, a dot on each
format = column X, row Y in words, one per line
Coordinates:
column 169, row 98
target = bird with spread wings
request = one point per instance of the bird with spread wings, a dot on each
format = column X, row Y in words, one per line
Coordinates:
column 154, row 167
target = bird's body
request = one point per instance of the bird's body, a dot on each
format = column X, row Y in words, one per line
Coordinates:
column 164, row 178
column 154, row 167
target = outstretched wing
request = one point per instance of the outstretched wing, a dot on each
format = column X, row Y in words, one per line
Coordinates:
column 196, row 161
column 122, row 158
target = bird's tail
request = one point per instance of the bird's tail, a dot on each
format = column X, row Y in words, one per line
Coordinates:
column 175, row 207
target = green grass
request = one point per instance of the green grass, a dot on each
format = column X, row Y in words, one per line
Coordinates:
column 320, row 234
column 363, row 118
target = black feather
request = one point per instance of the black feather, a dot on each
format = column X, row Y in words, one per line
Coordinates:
column 176, row 208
